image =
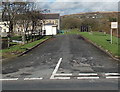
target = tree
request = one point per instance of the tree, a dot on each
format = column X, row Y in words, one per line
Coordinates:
column 10, row 11
column 25, row 14
column 111, row 19
column 70, row 23
column 92, row 23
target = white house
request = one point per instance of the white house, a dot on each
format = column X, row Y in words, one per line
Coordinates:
column 4, row 29
column 51, row 24
column 49, row 30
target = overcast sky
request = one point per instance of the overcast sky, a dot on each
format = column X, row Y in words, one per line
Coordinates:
column 65, row 7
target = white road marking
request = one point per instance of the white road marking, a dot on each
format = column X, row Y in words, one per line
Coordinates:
column 11, row 79
column 63, row 74
column 33, row 78
column 112, row 77
column 57, row 66
column 112, row 74
column 87, row 74
column 62, row 78
column 56, row 69
column 87, row 77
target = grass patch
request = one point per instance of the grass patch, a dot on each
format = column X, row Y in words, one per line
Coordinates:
column 103, row 40
column 17, row 49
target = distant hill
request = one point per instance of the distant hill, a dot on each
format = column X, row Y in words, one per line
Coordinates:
column 101, row 20
column 112, row 13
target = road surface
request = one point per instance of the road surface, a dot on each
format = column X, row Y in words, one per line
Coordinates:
column 63, row 62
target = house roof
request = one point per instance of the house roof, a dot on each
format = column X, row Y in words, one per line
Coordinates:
column 51, row 16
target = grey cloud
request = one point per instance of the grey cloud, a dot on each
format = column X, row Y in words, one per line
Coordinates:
column 77, row 7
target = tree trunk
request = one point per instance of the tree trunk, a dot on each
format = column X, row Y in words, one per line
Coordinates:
column 10, row 33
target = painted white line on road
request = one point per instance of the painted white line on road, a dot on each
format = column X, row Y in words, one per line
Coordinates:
column 112, row 74
column 11, row 79
column 56, row 69
column 63, row 78
column 87, row 77
column 57, row 66
column 87, row 74
column 63, row 74
column 33, row 78
column 112, row 77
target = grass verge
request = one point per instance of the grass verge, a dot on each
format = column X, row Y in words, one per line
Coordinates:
column 17, row 49
column 103, row 40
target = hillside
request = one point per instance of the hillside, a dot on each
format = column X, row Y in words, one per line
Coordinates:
column 98, row 21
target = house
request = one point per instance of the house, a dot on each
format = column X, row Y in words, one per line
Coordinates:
column 51, row 24
column 49, row 29
column 20, row 27
column 25, row 27
column 4, row 29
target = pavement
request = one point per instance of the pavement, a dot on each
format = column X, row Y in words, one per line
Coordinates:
column 64, row 62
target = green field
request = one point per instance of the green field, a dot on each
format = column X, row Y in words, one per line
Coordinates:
column 17, row 49
column 100, row 39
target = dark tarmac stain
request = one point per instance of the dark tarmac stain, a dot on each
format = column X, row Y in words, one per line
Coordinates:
column 28, row 65
column 24, row 74
column 101, row 69
column 79, row 37
column 76, row 69
column 52, row 67
column 62, row 72
column 8, row 76
column 9, row 71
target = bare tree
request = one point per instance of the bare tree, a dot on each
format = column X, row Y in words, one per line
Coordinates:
column 24, row 13
column 10, row 11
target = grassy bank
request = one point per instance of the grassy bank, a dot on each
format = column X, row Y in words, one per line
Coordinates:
column 17, row 49
column 103, row 40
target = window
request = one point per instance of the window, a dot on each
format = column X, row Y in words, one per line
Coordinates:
column 4, row 30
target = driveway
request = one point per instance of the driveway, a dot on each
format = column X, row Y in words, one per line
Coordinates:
column 63, row 62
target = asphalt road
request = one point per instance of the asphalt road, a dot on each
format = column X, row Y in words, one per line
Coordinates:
column 63, row 62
